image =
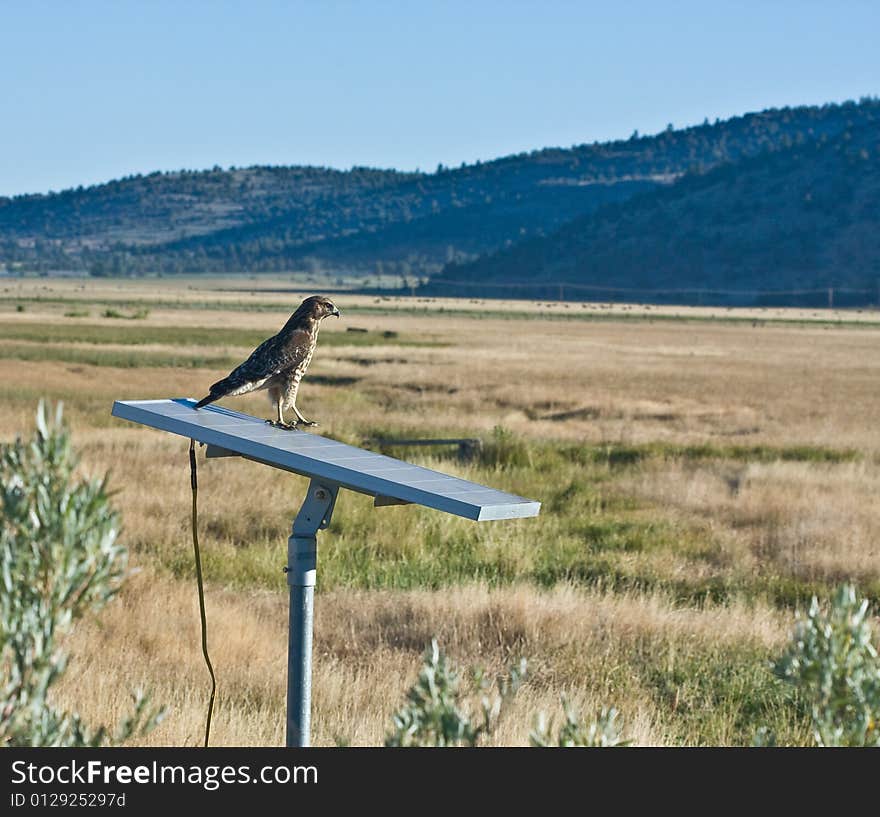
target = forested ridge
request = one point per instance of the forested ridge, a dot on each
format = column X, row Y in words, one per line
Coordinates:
column 641, row 211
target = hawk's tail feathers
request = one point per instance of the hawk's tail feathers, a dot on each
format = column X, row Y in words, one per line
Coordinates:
column 219, row 389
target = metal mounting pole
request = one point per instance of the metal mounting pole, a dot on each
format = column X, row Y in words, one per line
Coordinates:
column 302, row 563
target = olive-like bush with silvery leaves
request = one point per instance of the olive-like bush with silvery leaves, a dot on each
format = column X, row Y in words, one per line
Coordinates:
column 59, row 558
column 832, row 662
column 438, row 710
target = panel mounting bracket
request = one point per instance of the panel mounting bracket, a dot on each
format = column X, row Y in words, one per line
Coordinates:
column 301, row 569
column 212, row 451
column 381, row 501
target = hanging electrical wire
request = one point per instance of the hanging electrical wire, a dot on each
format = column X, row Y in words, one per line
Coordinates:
column 194, row 482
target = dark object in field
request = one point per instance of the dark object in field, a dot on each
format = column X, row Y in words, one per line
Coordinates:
column 469, row 448
column 279, row 363
column 356, row 329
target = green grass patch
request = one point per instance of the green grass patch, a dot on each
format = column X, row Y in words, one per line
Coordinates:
column 624, row 455
column 119, row 358
column 504, row 449
column 590, row 533
column 412, row 547
column 41, row 332
column 137, row 315
column 720, row 696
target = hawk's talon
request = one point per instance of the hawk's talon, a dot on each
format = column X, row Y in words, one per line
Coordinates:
column 302, row 420
column 282, row 426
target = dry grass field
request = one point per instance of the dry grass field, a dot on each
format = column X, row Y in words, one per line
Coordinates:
column 702, row 473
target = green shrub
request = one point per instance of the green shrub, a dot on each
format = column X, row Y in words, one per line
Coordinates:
column 833, row 662
column 59, row 558
column 605, row 730
column 435, row 714
column 506, row 450
column 137, row 315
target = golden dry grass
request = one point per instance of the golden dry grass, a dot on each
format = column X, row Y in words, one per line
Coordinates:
column 367, row 651
column 818, row 521
column 627, row 381
column 682, row 669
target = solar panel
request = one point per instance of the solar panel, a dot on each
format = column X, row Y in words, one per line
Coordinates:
column 317, row 457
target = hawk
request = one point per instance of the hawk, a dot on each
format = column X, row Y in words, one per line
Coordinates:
column 279, row 363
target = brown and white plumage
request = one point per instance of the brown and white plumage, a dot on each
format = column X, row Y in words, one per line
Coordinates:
column 279, row 363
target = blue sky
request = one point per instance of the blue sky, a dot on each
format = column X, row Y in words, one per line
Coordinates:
column 90, row 91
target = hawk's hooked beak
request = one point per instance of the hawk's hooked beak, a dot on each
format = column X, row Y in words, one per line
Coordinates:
column 335, row 311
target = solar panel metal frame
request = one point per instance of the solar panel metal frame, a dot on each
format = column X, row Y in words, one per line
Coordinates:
column 317, row 457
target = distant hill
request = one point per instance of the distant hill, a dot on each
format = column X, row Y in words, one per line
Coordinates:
column 369, row 221
column 85, row 226
column 801, row 218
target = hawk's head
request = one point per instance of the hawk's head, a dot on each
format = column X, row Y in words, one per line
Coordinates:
column 318, row 307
